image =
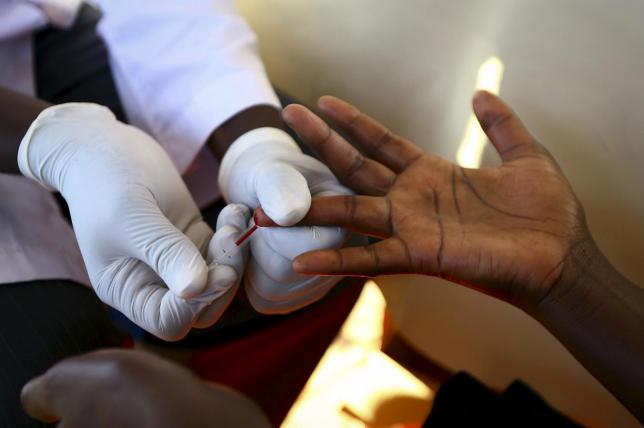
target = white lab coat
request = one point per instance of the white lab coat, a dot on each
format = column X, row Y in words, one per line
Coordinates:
column 181, row 67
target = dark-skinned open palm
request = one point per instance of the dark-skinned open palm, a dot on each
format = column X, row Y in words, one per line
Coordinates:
column 506, row 231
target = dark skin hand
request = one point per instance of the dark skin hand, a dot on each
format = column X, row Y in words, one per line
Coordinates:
column 516, row 232
column 506, row 231
column 119, row 388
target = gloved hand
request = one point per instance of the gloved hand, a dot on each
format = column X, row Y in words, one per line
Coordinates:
column 266, row 167
column 146, row 248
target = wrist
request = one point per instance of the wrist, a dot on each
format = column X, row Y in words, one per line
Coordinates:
column 597, row 314
column 585, row 268
column 17, row 113
column 254, row 117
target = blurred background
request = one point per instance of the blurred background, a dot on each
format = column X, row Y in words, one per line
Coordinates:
column 572, row 70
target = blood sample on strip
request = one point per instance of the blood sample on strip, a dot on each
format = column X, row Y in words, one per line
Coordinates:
column 234, row 246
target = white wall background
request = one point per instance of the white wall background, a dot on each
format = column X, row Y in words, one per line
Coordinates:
column 574, row 71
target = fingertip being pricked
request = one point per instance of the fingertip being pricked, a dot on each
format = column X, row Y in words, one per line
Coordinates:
column 262, row 219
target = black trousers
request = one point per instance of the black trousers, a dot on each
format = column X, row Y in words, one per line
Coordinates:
column 41, row 323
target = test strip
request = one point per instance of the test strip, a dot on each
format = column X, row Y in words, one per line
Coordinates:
column 248, row 232
column 246, row 235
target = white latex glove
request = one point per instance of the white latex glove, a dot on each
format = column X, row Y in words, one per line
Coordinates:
column 266, row 167
column 146, row 248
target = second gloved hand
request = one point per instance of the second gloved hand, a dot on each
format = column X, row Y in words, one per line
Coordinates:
column 146, row 248
column 266, row 168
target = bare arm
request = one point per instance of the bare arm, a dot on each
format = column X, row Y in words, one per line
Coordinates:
column 598, row 315
column 17, row 111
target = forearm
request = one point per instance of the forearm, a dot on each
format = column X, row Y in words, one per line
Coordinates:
column 17, row 111
column 598, row 314
column 244, row 121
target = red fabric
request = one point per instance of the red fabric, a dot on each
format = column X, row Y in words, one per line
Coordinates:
column 272, row 365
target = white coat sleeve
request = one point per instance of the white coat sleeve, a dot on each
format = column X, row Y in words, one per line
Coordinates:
column 182, row 68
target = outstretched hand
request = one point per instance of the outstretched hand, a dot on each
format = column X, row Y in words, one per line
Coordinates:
column 507, row 231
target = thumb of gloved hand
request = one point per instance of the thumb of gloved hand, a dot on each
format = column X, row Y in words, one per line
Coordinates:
column 261, row 168
column 283, row 193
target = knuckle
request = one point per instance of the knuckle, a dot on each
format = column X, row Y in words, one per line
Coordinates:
column 350, row 207
column 357, row 163
column 325, row 135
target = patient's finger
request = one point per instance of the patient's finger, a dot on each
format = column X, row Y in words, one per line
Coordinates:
column 369, row 215
column 378, row 142
column 361, row 174
column 390, row 256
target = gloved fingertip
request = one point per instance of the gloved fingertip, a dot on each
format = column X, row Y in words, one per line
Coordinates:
column 236, row 215
column 289, row 211
column 171, row 336
column 283, row 192
column 221, row 278
column 189, row 281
